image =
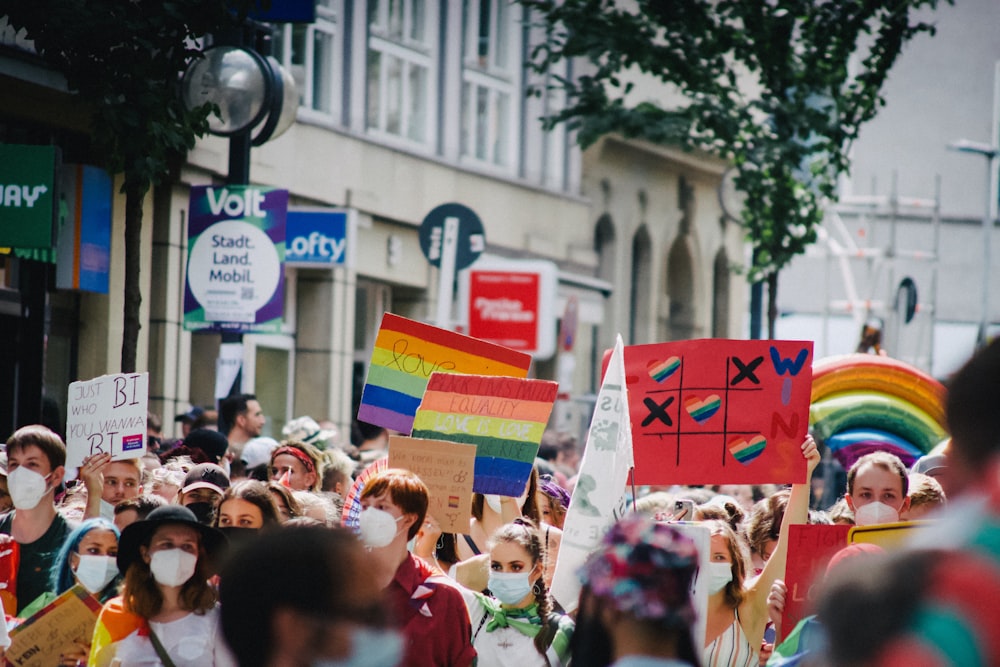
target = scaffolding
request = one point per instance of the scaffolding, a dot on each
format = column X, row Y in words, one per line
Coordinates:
column 878, row 292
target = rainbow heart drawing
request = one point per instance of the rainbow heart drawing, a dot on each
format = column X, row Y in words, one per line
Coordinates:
column 746, row 451
column 702, row 409
column 662, row 370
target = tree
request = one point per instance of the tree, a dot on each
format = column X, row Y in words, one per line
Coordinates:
column 124, row 60
column 780, row 88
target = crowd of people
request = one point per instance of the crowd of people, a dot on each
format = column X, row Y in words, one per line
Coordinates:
column 225, row 547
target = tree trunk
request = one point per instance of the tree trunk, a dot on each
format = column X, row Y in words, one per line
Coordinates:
column 134, row 194
column 772, row 303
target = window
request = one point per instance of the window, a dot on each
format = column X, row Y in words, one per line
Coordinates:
column 311, row 52
column 400, row 62
column 490, row 80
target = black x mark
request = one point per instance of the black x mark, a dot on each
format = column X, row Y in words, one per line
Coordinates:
column 658, row 411
column 746, row 371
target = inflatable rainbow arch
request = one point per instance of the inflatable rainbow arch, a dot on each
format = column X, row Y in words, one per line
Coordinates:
column 863, row 403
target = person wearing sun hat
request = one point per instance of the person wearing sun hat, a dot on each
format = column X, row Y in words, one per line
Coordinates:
column 305, row 429
column 635, row 605
column 168, row 611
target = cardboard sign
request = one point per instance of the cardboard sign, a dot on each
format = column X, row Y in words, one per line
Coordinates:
column 39, row 640
column 107, row 414
column 889, row 536
column 503, row 417
column 719, row 411
column 598, row 499
column 447, row 469
column 407, row 352
column 809, row 550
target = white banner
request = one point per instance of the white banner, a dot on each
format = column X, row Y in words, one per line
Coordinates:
column 107, row 414
column 599, row 496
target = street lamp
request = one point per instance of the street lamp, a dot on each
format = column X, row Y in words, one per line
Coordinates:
column 990, row 153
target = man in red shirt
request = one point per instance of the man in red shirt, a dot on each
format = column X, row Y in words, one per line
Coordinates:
column 428, row 608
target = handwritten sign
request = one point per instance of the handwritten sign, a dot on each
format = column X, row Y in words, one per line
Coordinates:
column 447, row 469
column 407, row 352
column 809, row 551
column 504, row 417
column 889, row 536
column 598, row 499
column 107, row 414
column 719, row 411
column 39, row 640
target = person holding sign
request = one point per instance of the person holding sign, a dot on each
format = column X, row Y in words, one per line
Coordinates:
column 516, row 626
column 36, row 459
column 737, row 615
column 429, row 608
column 167, row 612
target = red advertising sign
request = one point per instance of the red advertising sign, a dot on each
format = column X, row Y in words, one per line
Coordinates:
column 503, row 308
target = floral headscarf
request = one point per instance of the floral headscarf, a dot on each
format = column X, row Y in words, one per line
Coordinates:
column 645, row 569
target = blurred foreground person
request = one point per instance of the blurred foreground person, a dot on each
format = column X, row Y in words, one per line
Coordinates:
column 635, row 605
column 936, row 604
column 326, row 610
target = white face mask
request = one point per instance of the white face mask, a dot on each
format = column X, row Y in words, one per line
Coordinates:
column 493, row 502
column 873, row 513
column 719, row 574
column 27, row 487
column 378, row 527
column 96, row 572
column 172, row 567
column 107, row 510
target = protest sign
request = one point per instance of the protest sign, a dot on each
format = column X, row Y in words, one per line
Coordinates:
column 41, row 639
column 107, row 414
column 407, row 352
column 599, row 497
column 503, row 417
column 889, row 536
column 447, row 469
column 810, row 548
column 719, row 411
column 352, row 501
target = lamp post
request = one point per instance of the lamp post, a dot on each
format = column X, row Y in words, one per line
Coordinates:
column 250, row 88
column 990, row 153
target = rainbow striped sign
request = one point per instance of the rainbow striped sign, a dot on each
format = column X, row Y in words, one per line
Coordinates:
column 407, row 353
column 503, row 417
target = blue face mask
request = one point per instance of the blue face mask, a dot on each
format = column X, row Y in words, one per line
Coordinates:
column 369, row 648
column 509, row 587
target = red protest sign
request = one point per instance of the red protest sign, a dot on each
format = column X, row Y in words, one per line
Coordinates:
column 809, row 550
column 719, row 411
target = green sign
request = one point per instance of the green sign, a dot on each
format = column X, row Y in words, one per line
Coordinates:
column 27, row 195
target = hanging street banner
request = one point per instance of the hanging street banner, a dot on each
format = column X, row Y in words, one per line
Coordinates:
column 236, row 252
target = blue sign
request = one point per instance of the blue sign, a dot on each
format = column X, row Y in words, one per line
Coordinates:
column 316, row 237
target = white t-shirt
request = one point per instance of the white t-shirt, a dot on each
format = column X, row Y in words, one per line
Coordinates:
column 191, row 641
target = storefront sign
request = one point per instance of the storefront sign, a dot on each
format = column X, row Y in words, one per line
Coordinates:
column 83, row 250
column 27, row 195
column 512, row 303
column 236, row 241
column 317, row 238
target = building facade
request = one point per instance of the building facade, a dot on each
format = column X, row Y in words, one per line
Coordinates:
column 405, row 106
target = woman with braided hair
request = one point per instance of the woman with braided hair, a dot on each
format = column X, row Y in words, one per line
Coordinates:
column 515, row 626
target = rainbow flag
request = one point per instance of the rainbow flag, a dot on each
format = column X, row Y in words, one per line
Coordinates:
column 504, row 417
column 407, row 353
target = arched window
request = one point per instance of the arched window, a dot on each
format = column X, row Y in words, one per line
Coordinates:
column 641, row 287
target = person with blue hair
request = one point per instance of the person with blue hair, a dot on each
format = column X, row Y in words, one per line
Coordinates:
column 87, row 558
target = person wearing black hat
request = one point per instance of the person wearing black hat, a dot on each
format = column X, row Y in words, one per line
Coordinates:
column 202, row 491
column 167, row 612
